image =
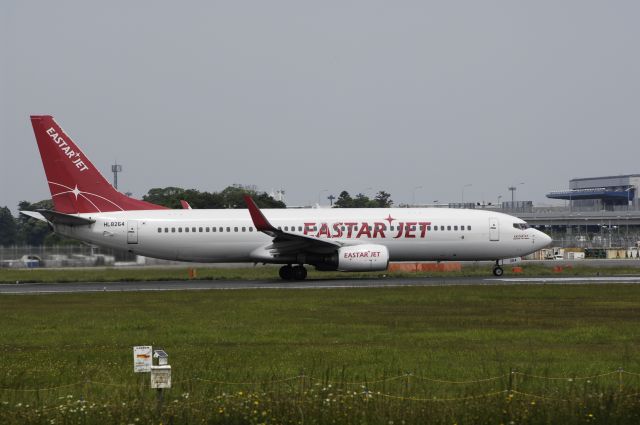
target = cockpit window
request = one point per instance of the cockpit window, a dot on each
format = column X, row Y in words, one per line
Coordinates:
column 521, row 226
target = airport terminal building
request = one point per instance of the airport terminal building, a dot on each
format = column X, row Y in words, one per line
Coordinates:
column 609, row 193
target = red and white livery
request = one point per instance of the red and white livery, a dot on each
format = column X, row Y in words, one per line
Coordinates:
column 88, row 208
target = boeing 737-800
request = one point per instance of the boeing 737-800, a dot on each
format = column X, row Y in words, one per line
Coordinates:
column 88, row 208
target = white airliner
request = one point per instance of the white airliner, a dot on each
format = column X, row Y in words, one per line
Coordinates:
column 88, row 208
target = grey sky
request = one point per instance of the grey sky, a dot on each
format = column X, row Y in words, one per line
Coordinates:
column 308, row 96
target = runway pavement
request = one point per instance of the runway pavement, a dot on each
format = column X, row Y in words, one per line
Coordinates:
column 200, row 285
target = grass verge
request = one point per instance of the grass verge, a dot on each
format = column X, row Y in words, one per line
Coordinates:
column 269, row 273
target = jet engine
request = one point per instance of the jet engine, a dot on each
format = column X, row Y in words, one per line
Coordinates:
column 363, row 258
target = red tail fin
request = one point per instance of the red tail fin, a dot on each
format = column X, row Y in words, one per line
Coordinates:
column 76, row 184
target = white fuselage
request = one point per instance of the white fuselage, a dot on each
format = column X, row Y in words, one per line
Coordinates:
column 410, row 234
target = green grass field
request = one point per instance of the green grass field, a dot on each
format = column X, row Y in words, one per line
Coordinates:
column 376, row 356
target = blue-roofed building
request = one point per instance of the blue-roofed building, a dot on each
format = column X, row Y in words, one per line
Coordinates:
column 601, row 193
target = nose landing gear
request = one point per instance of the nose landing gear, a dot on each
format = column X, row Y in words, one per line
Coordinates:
column 289, row 272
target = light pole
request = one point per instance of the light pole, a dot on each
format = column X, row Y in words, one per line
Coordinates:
column 628, row 196
column 570, row 203
column 463, row 187
column 499, row 198
column 413, row 196
column 331, row 198
column 115, row 169
column 513, row 190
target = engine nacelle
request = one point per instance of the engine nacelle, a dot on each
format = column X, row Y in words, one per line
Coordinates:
column 363, row 258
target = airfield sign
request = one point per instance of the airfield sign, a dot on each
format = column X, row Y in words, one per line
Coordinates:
column 142, row 358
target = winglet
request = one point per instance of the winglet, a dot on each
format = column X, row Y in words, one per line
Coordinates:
column 185, row 204
column 259, row 220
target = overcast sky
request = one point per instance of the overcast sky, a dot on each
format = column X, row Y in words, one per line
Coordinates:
column 308, row 96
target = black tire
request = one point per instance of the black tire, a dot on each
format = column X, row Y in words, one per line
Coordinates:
column 286, row 272
column 299, row 273
column 498, row 271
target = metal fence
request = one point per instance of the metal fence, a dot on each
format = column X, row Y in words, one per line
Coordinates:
column 61, row 256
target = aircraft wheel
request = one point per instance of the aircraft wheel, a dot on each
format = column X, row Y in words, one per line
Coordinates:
column 299, row 273
column 498, row 271
column 286, row 272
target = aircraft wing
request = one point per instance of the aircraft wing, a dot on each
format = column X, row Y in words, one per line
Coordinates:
column 285, row 243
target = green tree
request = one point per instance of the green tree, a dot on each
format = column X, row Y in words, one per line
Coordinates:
column 362, row 201
column 166, row 196
column 31, row 231
column 230, row 197
column 8, row 228
column 233, row 198
column 382, row 200
column 344, row 200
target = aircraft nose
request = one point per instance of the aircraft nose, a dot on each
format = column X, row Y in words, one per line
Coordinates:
column 543, row 240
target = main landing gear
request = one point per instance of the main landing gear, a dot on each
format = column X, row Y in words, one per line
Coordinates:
column 497, row 270
column 290, row 272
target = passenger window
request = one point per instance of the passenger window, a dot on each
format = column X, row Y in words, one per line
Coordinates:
column 435, row 228
column 250, row 229
column 235, row 229
column 448, row 227
column 468, row 227
column 244, row 229
column 392, row 228
column 213, row 229
column 166, row 230
column 221, row 229
column 206, row 229
column 179, row 229
column 159, row 229
column 200, row 229
column 455, row 227
column 461, row 227
column 286, row 228
column 193, row 229
column 299, row 228
column 229, row 229
column 442, row 228
column 428, row 227
column 279, row 228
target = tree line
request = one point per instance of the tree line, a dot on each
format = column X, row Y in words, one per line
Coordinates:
column 381, row 200
column 22, row 230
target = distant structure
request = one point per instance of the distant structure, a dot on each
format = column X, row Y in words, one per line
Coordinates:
column 116, row 168
column 278, row 195
column 250, row 187
column 607, row 193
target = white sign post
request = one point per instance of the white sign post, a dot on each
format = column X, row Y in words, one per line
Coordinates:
column 142, row 358
column 161, row 377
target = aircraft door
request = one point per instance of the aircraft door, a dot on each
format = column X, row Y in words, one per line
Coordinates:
column 494, row 229
column 132, row 231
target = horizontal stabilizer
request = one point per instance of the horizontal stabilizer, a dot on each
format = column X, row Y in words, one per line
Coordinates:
column 58, row 218
column 34, row 214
